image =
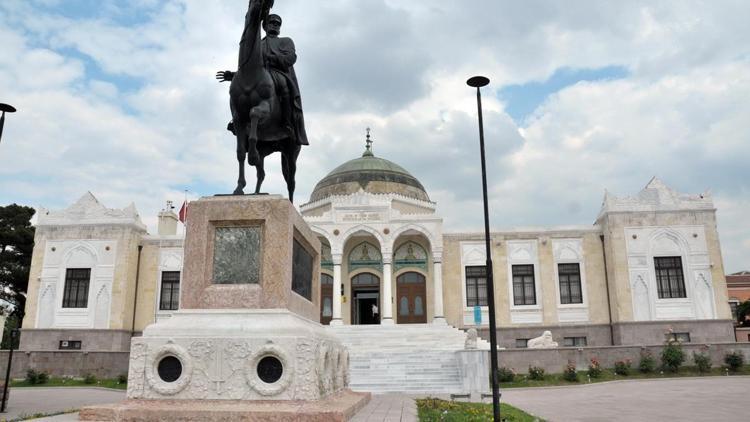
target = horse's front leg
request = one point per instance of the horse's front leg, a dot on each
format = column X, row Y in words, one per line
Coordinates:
column 289, row 166
column 241, row 152
column 260, row 172
column 257, row 113
column 252, row 141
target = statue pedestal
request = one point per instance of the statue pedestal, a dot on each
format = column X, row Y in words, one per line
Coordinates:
column 246, row 335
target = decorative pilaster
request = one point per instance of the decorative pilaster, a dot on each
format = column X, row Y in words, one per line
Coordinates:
column 387, row 301
column 336, row 320
column 437, row 279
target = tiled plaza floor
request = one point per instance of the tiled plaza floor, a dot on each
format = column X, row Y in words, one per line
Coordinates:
column 388, row 408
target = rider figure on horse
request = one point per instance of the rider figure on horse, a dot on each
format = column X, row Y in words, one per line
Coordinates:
column 279, row 56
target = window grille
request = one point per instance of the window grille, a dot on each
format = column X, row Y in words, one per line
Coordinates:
column 476, row 285
column 170, row 291
column 76, row 292
column 669, row 278
column 524, row 292
column 570, row 283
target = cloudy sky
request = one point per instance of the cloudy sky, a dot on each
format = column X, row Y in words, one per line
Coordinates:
column 119, row 98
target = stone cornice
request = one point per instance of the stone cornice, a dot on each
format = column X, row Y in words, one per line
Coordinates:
column 561, row 231
column 377, row 198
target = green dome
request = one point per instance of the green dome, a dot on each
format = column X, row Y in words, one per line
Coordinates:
column 372, row 174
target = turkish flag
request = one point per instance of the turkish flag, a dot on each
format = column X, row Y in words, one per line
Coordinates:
column 183, row 212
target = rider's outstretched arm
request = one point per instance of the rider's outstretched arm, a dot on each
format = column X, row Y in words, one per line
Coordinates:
column 224, row 75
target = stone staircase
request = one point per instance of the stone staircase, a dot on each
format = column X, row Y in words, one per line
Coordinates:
column 413, row 358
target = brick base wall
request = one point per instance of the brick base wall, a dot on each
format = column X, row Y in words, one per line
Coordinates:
column 554, row 360
column 66, row 363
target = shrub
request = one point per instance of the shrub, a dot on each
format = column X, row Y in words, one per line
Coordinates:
column 506, row 374
column 595, row 369
column 734, row 360
column 647, row 363
column 536, row 373
column 122, row 379
column 702, row 362
column 42, row 378
column 89, row 379
column 32, row 377
column 569, row 373
column 672, row 356
column 622, row 367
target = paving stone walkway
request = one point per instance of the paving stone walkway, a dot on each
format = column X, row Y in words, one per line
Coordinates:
column 388, row 408
column 676, row 399
column 34, row 400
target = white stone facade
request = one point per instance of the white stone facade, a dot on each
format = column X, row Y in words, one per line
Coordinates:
column 384, row 219
column 403, row 237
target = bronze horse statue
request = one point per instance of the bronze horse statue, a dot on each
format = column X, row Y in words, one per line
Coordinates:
column 260, row 116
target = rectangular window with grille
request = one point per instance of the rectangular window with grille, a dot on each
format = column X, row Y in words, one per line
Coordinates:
column 669, row 279
column 476, row 285
column 524, row 292
column 170, row 291
column 570, row 283
column 574, row 342
column 522, row 343
column 681, row 337
column 76, row 292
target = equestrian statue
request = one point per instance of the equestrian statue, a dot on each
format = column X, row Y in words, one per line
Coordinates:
column 264, row 98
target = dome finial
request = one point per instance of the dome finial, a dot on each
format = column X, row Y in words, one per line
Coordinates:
column 368, row 147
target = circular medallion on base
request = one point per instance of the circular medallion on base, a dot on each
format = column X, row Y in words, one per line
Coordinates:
column 169, row 370
column 269, row 372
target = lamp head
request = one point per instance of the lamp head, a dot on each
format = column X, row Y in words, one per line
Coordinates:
column 478, row 81
column 7, row 108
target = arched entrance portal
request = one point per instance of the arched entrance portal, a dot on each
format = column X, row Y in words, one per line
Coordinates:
column 365, row 299
column 326, row 298
column 411, row 293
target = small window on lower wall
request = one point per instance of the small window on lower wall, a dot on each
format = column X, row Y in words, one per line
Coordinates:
column 574, row 342
column 681, row 337
column 70, row 345
column 522, row 343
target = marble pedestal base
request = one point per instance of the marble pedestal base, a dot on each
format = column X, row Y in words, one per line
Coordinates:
column 220, row 353
column 338, row 407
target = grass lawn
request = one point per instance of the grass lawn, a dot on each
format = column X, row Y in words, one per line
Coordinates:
column 434, row 410
column 609, row 375
column 72, row 382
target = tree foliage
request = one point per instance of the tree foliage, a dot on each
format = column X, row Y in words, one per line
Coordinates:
column 16, row 246
column 742, row 310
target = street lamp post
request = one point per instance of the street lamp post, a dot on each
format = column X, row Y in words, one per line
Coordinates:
column 478, row 82
column 13, row 336
column 4, row 108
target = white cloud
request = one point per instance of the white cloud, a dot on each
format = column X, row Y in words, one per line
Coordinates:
column 131, row 111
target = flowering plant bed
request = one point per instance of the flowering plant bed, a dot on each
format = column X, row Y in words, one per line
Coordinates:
column 610, row 375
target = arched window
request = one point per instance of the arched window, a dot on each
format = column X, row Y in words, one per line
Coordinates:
column 365, row 279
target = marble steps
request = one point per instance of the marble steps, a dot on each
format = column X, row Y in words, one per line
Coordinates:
column 415, row 358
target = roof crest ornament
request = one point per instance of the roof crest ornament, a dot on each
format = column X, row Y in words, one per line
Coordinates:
column 368, row 147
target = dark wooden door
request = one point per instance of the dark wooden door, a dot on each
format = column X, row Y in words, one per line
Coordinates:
column 411, row 304
column 326, row 299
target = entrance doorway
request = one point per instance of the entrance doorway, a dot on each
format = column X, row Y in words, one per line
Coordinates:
column 365, row 299
column 411, row 293
column 326, row 298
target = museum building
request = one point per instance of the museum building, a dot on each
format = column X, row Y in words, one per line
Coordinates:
column 650, row 266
